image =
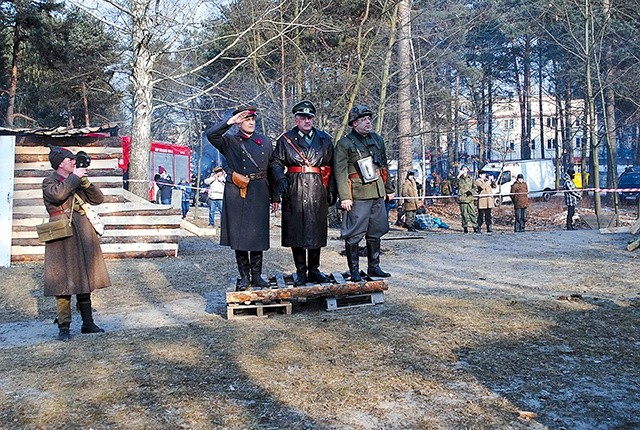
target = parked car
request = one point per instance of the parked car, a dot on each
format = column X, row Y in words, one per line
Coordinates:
column 630, row 178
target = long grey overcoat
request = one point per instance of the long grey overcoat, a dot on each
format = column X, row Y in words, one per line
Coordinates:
column 245, row 222
column 73, row 265
column 305, row 206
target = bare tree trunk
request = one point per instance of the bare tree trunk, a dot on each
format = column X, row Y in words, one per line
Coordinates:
column 13, row 85
column 526, row 138
column 142, row 85
column 361, row 63
column 591, row 109
column 85, row 104
column 540, row 94
column 404, row 91
column 388, row 58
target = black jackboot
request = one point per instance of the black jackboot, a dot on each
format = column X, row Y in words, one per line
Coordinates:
column 353, row 260
column 256, row 270
column 242, row 259
column 315, row 275
column 84, row 306
column 373, row 256
column 300, row 260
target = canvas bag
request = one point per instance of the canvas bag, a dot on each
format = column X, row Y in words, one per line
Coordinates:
column 93, row 217
column 54, row 230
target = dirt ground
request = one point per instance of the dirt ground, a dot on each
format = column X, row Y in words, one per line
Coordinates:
column 536, row 330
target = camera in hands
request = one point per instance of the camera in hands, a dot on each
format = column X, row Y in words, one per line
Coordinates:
column 82, row 159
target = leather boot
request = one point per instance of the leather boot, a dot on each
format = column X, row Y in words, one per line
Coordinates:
column 489, row 228
column 243, row 282
column 373, row 256
column 256, row 270
column 465, row 230
column 300, row 260
column 353, row 260
column 63, row 307
column 315, row 275
column 84, row 306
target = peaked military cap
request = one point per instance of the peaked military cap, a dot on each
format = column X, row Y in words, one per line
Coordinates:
column 304, row 107
column 251, row 108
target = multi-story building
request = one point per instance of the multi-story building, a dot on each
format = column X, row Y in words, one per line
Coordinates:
column 546, row 135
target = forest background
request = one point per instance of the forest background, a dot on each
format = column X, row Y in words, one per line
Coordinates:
column 166, row 69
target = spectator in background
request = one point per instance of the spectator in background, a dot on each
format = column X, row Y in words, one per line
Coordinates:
column 184, row 186
column 436, row 184
column 410, row 200
column 445, row 187
column 485, row 186
column 466, row 186
column 215, row 194
column 165, row 185
column 520, row 198
column 571, row 197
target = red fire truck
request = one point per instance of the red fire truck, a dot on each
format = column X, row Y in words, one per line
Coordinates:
column 176, row 160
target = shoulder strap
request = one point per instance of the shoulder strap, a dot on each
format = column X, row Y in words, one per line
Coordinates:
column 244, row 149
column 305, row 159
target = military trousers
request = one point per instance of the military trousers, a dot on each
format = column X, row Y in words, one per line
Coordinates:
column 366, row 218
column 468, row 215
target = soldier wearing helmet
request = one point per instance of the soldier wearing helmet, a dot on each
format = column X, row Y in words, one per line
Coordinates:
column 361, row 173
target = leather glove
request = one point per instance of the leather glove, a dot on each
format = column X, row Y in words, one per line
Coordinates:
column 468, row 194
column 283, row 186
column 85, row 183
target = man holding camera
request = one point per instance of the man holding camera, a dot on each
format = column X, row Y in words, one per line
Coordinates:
column 72, row 265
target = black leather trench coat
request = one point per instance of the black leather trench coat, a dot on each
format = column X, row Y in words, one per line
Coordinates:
column 305, row 205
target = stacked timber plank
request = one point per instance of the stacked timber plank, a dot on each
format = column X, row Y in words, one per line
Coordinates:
column 134, row 227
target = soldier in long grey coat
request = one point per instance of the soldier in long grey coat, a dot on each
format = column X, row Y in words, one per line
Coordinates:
column 247, row 195
column 73, row 265
column 307, row 190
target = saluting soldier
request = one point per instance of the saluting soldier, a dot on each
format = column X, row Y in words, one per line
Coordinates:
column 363, row 182
column 307, row 190
column 245, row 211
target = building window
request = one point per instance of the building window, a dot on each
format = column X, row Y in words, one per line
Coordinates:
column 512, row 145
column 578, row 142
column 508, row 124
column 533, row 123
column 578, row 122
column 551, row 143
column 533, row 144
column 551, row 122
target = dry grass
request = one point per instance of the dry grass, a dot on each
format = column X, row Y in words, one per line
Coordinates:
column 476, row 333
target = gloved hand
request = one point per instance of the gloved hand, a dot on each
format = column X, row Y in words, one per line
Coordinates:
column 468, row 194
column 85, row 183
column 283, row 186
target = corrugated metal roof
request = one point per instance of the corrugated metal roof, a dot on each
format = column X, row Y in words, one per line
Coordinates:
column 60, row 131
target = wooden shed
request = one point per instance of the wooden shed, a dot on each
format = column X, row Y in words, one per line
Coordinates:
column 134, row 227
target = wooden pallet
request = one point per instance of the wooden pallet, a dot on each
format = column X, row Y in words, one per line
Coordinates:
column 354, row 301
column 257, row 310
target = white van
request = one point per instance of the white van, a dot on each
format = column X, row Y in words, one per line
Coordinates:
column 540, row 176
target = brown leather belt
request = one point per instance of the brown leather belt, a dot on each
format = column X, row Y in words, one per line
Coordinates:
column 303, row 169
column 259, row 175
